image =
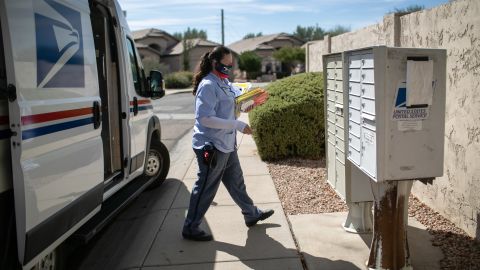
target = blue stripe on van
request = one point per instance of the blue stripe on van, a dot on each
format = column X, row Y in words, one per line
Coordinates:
column 35, row 132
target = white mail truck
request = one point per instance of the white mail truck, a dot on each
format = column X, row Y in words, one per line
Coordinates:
column 78, row 136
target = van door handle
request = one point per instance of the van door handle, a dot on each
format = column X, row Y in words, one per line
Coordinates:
column 135, row 106
column 97, row 116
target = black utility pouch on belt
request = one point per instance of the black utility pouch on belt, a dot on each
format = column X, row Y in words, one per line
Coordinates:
column 209, row 154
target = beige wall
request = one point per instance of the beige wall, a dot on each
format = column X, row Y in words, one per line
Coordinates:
column 174, row 62
column 147, row 54
column 162, row 42
column 455, row 27
column 196, row 55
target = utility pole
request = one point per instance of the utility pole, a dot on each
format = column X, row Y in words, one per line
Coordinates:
column 223, row 30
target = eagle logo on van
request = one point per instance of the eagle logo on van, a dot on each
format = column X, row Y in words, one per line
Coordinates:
column 59, row 44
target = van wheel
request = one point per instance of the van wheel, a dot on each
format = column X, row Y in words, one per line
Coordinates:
column 55, row 260
column 157, row 163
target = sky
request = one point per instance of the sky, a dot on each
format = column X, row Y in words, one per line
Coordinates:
column 253, row 16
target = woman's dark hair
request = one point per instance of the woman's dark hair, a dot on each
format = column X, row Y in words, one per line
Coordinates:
column 206, row 64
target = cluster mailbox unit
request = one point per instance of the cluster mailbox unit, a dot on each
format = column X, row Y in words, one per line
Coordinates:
column 347, row 180
column 396, row 112
column 385, row 122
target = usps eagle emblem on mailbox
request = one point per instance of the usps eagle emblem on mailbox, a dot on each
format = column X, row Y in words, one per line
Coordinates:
column 59, row 45
column 401, row 112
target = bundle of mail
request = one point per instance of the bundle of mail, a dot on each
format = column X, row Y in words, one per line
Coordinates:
column 250, row 99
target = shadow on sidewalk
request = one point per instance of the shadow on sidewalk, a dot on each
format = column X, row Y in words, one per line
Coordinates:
column 138, row 235
column 258, row 234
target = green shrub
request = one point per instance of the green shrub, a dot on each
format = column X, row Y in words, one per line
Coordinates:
column 291, row 122
column 177, row 80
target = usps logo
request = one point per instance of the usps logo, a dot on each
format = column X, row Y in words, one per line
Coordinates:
column 60, row 62
column 400, row 110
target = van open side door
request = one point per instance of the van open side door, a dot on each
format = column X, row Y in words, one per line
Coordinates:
column 55, row 120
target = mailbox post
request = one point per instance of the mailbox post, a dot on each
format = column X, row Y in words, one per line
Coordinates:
column 395, row 132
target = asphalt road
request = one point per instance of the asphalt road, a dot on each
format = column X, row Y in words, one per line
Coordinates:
column 176, row 116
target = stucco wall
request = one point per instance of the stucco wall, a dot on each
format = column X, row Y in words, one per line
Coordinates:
column 455, row 27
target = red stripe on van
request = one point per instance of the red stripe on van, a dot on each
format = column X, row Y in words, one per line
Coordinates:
column 51, row 116
column 140, row 102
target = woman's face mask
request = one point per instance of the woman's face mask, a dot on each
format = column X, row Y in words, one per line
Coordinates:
column 223, row 69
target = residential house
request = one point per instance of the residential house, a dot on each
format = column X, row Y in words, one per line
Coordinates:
column 265, row 46
column 158, row 45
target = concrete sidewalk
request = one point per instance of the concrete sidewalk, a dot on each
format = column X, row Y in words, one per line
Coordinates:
column 147, row 235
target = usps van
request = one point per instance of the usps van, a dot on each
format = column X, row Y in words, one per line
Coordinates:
column 78, row 137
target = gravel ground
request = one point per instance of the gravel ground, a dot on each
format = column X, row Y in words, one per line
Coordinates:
column 302, row 188
column 460, row 251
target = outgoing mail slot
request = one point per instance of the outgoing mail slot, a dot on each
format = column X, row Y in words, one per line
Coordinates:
column 368, row 106
column 354, row 115
column 354, row 102
column 368, row 121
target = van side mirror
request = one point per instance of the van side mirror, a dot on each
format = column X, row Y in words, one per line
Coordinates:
column 156, row 87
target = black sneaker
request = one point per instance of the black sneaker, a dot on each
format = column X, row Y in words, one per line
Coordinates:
column 199, row 236
column 265, row 214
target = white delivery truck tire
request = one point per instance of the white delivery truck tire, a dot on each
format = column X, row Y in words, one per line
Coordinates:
column 157, row 163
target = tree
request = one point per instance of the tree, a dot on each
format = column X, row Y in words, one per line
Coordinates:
column 252, row 35
column 191, row 33
column 337, row 30
column 187, row 46
column 290, row 56
column 251, row 63
column 309, row 33
column 409, row 9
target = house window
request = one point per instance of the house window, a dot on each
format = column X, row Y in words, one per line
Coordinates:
column 155, row 47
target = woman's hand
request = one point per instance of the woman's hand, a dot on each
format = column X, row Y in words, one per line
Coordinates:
column 247, row 130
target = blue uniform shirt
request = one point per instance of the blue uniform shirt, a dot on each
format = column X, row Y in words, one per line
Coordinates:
column 215, row 97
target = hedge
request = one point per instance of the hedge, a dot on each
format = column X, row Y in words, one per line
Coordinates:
column 177, row 80
column 291, row 122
